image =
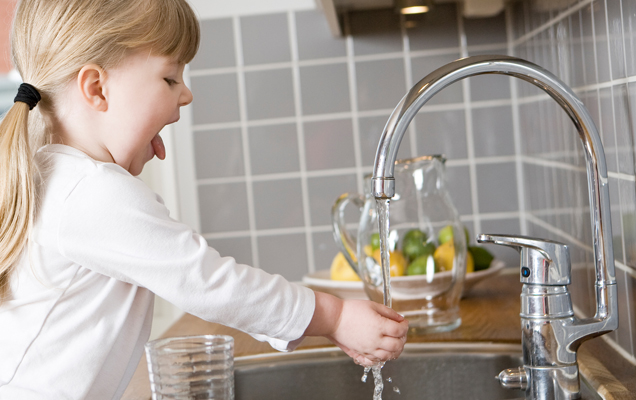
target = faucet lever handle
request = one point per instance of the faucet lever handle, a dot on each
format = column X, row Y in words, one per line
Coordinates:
column 543, row 261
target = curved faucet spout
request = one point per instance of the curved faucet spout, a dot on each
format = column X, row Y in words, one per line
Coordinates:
column 424, row 90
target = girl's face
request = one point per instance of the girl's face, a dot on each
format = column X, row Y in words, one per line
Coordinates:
column 144, row 94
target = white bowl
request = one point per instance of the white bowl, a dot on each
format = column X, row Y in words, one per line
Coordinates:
column 321, row 280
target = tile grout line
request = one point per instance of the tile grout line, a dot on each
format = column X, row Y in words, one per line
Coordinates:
column 551, row 54
column 328, row 228
column 565, row 210
column 343, row 115
column 408, row 81
column 584, row 88
column 353, row 104
column 341, row 60
column 293, row 44
column 549, row 227
column 613, row 344
column 598, row 90
column 492, row 216
column 470, row 145
column 553, row 164
column 341, row 171
column 582, row 45
column 632, row 322
column 629, row 306
column 260, row 233
column 516, row 128
column 368, row 169
column 570, row 167
column 620, row 209
column 552, row 22
column 611, row 87
column 537, row 221
column 242, row 92
column 426, row 108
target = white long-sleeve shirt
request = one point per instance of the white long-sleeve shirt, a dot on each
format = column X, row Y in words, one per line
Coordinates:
column 82, row 295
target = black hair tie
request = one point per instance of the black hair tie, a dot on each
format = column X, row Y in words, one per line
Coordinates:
column 28, row 94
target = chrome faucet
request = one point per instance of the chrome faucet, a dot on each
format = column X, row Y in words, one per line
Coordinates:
column 551, row 334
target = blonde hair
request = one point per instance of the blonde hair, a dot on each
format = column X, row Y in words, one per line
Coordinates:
column 51, row 41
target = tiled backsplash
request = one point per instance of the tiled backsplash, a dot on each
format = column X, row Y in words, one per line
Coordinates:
column 286, row 118
column 591, row 45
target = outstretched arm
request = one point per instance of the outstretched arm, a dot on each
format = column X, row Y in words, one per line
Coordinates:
column 367, row 331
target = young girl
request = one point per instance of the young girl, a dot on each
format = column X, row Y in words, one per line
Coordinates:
column 84, row 244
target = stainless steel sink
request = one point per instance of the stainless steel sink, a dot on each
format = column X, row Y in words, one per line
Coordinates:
column 424, row 371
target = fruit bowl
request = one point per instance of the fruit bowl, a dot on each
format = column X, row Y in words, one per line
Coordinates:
column 321, row 281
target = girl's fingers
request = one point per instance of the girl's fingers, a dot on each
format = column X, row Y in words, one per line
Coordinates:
column 382, row 355
column 395, row 329
column 392, row 345
column 364, row 361
column 388, row 312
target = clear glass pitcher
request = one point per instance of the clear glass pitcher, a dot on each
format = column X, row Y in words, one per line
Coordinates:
column 426, row 239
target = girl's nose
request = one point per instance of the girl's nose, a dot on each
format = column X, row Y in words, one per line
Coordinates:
column 186, row 96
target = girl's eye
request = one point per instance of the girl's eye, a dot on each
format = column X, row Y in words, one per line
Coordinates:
column 170, row 81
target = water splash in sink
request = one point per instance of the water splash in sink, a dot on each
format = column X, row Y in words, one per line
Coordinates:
column 395, row 388
column 377, row 380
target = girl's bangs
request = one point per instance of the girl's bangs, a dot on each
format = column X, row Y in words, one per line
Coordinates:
column 178, row 33
column 169, row 28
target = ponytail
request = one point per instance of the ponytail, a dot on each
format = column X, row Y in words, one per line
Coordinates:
column 17, row 191
column 51, row 40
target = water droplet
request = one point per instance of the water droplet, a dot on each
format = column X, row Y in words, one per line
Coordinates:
column 366, row 372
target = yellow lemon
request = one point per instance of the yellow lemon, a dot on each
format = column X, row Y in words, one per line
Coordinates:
column 368, row 250
column 341, row 270
column 398, row 262
column 444, row 255
column 470, row 263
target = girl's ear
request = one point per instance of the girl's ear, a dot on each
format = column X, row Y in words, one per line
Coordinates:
column 90, row 81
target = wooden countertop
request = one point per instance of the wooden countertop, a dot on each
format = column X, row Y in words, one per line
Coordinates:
column 490, row 313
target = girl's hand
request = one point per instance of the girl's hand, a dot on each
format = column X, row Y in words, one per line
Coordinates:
column 370, row 332
column 367, row 331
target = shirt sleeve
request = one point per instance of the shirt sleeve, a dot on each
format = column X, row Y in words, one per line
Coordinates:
column 113, row 224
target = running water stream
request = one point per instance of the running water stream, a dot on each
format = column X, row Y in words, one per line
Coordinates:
column 382, row 206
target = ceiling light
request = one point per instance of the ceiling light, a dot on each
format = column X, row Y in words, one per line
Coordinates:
column 409, row 7
column 414, row 10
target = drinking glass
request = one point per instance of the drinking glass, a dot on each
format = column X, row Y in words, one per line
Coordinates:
column 191, row 367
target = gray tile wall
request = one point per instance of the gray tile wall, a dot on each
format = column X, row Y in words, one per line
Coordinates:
column 286, row 118
column 591, row 46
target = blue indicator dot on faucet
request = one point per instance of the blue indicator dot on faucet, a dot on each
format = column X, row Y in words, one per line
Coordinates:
column 525, row 272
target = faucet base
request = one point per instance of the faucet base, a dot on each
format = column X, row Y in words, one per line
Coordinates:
column 553, row 383
column 543, row 383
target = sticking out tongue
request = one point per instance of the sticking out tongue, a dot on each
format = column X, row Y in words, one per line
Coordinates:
column 158, row 147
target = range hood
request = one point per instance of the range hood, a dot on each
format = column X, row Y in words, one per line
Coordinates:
column 333, row 9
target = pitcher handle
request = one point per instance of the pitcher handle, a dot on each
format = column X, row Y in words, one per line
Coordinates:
column 345, row 242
